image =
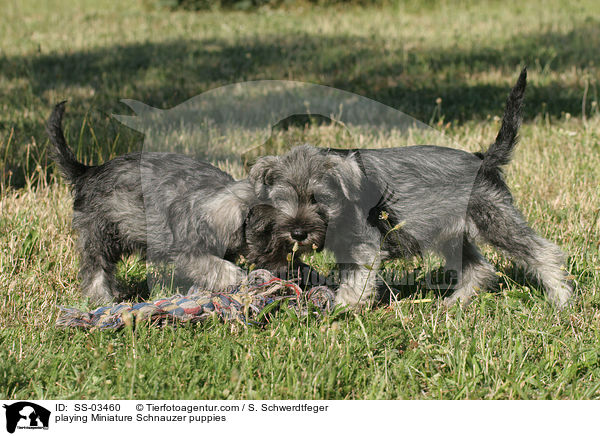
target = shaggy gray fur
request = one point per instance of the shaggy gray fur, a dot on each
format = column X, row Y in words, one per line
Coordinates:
column 169, row 207
column 436, row 199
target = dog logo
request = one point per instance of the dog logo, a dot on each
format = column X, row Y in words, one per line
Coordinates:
column 26, row 415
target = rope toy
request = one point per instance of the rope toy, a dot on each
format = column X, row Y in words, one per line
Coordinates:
column 242, row 304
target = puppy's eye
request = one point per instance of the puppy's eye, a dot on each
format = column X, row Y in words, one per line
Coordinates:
column 268, row 178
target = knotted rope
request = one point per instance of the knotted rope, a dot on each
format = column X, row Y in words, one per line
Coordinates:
column 242, row 304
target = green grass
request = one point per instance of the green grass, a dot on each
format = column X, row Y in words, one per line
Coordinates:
column 508, row 344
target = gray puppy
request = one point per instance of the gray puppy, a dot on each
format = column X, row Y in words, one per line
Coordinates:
column 376, row 204
column 169, row 207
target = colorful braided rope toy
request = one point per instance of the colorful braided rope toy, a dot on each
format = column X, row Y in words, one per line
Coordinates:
column 242, row 304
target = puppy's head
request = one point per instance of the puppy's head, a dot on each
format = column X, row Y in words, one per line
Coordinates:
column 300, row 193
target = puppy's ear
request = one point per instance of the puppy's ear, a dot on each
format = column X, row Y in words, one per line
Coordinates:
column 262, row 171
column 348, row 175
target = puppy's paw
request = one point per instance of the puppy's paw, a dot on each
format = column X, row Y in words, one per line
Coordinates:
column 459, row 296
column 561, row 296
column 233, row 277
column 229, row 277
column 101, row 298
column 347, row 296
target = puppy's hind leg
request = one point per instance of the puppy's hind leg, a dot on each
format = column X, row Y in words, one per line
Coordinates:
column 476, row 273
column 506, row 228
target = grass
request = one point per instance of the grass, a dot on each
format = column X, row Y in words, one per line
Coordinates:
column 509, row 344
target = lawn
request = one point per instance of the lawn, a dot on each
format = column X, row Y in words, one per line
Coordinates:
column 448, row 63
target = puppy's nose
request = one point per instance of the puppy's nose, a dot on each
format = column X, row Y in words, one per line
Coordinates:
column 299, row 234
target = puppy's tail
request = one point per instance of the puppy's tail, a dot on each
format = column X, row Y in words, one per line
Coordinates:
column 61, row 153
column 500, row 152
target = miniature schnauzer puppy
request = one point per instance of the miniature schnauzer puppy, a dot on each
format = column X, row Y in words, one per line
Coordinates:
column 166, row 206
column 375, row 204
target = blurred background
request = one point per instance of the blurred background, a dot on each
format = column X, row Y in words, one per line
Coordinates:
column 444, row 62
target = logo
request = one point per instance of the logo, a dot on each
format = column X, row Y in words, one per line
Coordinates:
column 26, row 415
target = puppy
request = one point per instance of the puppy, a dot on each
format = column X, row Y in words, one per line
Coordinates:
column 375, row 204
column 169, row 207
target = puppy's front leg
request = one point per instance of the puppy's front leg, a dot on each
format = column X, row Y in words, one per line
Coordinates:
column 210, row 272
column 358, row 283
column 359, row 257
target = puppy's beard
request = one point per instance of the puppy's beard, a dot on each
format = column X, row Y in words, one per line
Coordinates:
column 309, row 220
column 315, row 235
column 306, row 246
